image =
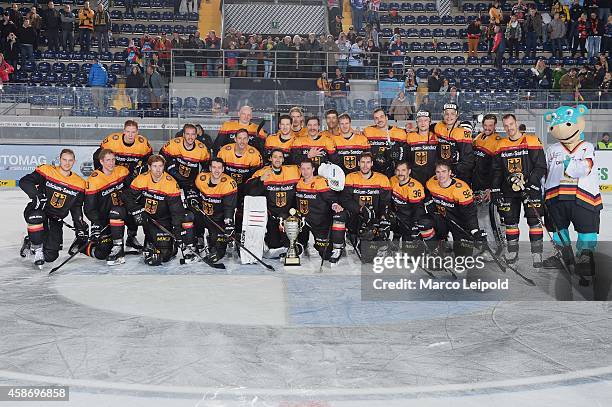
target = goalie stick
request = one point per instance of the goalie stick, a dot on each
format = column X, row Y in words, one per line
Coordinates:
column 54, row 269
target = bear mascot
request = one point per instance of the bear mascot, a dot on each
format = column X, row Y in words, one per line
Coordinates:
column 572, row 189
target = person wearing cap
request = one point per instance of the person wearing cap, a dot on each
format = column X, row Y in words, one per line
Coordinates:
column 335, row 28
column 387, row 142
column 455, row 142
column 422, row 148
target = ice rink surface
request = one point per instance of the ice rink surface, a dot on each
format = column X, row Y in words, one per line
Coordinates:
column 193, row 336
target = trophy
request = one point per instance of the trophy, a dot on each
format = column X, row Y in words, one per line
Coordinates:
column 292, row 226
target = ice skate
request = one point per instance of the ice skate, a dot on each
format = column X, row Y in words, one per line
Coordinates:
column 117, row 255
column 132, row 241
column 335, row 256
column 189, row 255
column 26, row 247
column 39, row 257
column 537, row 260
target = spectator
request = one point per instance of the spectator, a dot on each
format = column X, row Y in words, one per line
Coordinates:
column 344, row 48
column 540, row 75
column 298, row 60
column 426, row 104
column 397, row 51
column 191, row 6
column 569, row 85
column 499, row 46
column 557, row 31
column 268, row 60
column 52, row 24
column 26, row 36
column 102, row 24
column 129, row 8
column 331, row 51
column 371, row 34
column 340, row 88
column 11, row 50
column 533, row 30
column 372, row 14
column 283, row 57
column 600, row 73
column 133, row 56
column 336, row 27
column 608, row 37
column 443, row 89
column 594, row 38
column 604, row 62
column 604, row 10
column 473, row 35
column 513, row 36
column 97, row 79
column 252, row 57
column 358, row 9
column 356, row 59
column 6, row 27
column 495, row 13
column 410, row 86
column 176, row 41
column 452, row 96
column 604, row 143
column 434, row 82
column 519, row 10
column 36, row 23
column 86, row 26
column 67, row 19
column 5, row 70
column 557, row 74
column 333, row 10
column 163, row 47
column 212, row 62
column 134, row 83
column 314, row 57
column 177, row 7
column 351, row 35
column 15, row 15
column 155, row 85
column 323, row 84
column 387, row 93
column 606, row 90
column 401, row 109
column 231, row 60
column 580, row 35
column 370, row 60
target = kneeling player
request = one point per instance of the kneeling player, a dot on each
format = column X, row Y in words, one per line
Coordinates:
column 218, row 193
column 451, row 209
column 155, row 197
column 323, row 216
column 63, row 191
column 105, row 210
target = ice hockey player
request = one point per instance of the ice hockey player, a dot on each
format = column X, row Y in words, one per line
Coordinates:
column 366, row 196
column 155, row 195
column 422, row 149
column 55, row 191
column 331, row 121
column 387, row 143
column 315, row 146
column 218, row 199
column 132, row 150
column 241, row 160
column 322, row 214
column 202, row 136
column 455, row 143
column 297, row 122
column 518, row 169
column 450, row 198
column 105, row 210
column 572, row 187
column 485, row 146
column 350, row 145
column 282, row 140
column 277, row 183
column 228, row 131
column 407, row 197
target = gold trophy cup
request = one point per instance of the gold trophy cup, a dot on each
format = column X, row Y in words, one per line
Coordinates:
column 292, row 226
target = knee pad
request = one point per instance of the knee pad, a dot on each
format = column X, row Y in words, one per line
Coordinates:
column 340, row 217
column 34, row 216
column 322, row 246
column 118, row 212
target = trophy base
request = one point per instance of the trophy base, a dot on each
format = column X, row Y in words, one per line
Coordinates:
column 292, row 261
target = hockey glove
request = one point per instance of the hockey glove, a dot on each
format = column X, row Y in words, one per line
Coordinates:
column 229, row 227
column 517, row 182
column 192, row 199
column 139, row 217
column 81, row 239
column 39, row 202
column 479, row 235
column 94, row 233
column 367, row 215
column 384, row 229
column 497, row 198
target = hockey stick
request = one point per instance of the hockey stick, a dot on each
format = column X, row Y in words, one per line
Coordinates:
column 498, row 235
column 182, row 261
column 81, row 248
column 495, row 258
column 240, row 245
column 429, row 273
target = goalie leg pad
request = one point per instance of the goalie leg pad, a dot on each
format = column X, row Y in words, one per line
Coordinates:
column 254, row 223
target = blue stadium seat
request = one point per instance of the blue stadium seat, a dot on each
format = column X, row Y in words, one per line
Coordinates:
column 412, row 33
column 112, row 79
column 471, row 19
column 36, row 77
column 418, row 7
column 512, row 61
column 49, row 55
column 193, row 17
column 468, row 8
column 482, row 7
column 422, row 73
column 434, row 20
column 491, row 73
column 52, row 77
column 73, row 68
column 86, row 67
column 406, row 7
column 477, row 72
column 123, row 42
column 180, row 17
column 110, row 112
column 447, row 20
column 116, row 15
column 153, row 29
column 459, row 20
column 44, row 67
column 165, row 28
column 190, row 103
column 418, row 60
column 157, row 4
column 154, row 16
column 465, row 82
column 126, row 29
column 410, row 20
column 429, row 47
column 486, row 60
column 442, row 47
column 66, row 77
column 425, row 33
column 455, row 46
column 59, row 67
column 446, row 61
column 432, row 61
column 430, row 7
column 106, row 57
column 416, row 46
column 139, row 29
column 448, row 72
column 450, row 33
column 142, row 15
column 528, row 61
column 580, row 61
column 167, row 16
column 384, row 7
column 438, row 33
column 422, row 20
column 119, row 56
column 191, row 29
column 569, row 61
column 117, row 69
column 463, row 73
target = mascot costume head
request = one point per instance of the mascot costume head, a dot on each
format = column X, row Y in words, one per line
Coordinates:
column 567, row 124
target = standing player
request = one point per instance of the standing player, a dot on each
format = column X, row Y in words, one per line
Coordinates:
column 132, row 150
column 455, row 143
column 282, row 140
column 104, row 209
column 228, row 131
column 407, row 199
column 323, row 216
column 241, row 160
column 387, row 142
column 315, row 146
column 156, row 195
column 54, row 191
column 422, row 149
column 277, row 183
column 350, row 145
column 297, row 122
column 331, row 121
column 485, row 146
column 518, row 168
column 365, row 196
column 450, row 199
column 218, row 193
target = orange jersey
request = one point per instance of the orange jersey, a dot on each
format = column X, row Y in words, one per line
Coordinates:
column 302, row 145
column 183, row 164
column 240, row 168
column 218, row 200
column 279, row 188
column 103, row 192
column 276, row 142
column 303, row 132
column 380, row 139
column 374, row 191
column 455, row 201
column 422, row 154
column 456, row 146
column 330, row 133
column 407, row 199
column 133, row 156
column 227, row 135
column 348, row 150
column 161, row 199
